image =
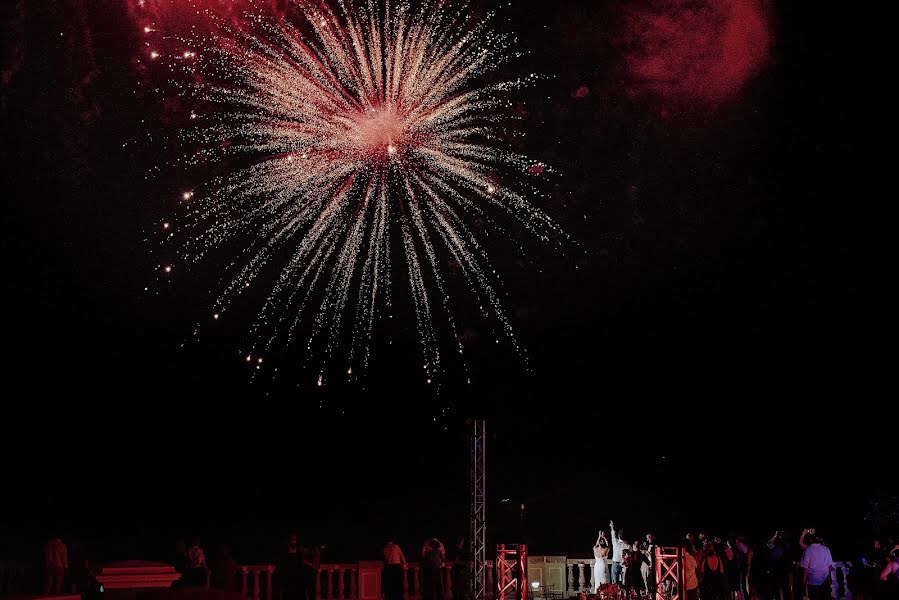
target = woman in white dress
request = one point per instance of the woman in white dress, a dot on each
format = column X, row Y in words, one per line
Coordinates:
column 600, row 567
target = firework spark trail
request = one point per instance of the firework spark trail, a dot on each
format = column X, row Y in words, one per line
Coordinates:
column 377, row 124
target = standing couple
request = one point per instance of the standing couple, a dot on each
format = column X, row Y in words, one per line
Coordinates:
column 631, row 570
column 601, row 550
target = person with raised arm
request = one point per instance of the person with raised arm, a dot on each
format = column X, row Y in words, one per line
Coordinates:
column 817, row 565
column 600, row 568
column 803, row 539
column 618, row 546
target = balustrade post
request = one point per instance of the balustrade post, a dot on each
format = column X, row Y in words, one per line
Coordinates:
column 318, row 584
column 338, row 589
column 269, row 569
column 447, row 581
column 353, row 573
column 416, row 582
column 406, row 593
column 570, row 567
column 255, row 583
column 488, row 569
column 243, row 581
column 329, row 579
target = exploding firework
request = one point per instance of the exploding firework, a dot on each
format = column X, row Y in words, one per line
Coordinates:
column 341, row 130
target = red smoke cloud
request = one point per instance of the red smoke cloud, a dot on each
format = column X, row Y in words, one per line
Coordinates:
column 695, row 50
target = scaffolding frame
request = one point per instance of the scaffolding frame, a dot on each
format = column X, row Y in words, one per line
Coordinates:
column 669, row 572
column 511, row 572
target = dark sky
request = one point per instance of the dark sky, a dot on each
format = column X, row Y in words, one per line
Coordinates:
column 716, row 336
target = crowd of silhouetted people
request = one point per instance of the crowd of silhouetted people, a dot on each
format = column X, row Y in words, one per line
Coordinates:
column 783, row 567
column 434, row 556
column 729, row 568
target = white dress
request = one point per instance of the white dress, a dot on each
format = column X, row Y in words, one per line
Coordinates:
column 600, row 570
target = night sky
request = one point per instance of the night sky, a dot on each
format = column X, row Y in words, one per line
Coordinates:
column 710, row 347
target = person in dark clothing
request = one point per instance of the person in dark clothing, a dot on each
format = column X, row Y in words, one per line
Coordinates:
column 649, row 548
column 394, row 561
column 433, row 556
column 461, row 569
column 865, row 580
column 56, row 564
column 290, row 571
column 634, row 559
column 224, row 570
column 711, row 569
column 744, row 555
column 180, row 562
column 714, row 581
column 79, row 574
column 312, row 558
column 774, row 572
column 733, row 570
column 197, row 570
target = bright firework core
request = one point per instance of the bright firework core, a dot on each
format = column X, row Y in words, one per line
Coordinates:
column 380, row 130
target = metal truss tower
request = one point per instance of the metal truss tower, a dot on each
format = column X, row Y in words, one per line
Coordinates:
column 478, row 514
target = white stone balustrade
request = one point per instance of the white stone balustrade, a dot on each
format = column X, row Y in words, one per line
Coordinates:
column 412, row 581
column 337, row 581
column 560, row 575
column 557, row 574
column 341, row 582
column 260, row 578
